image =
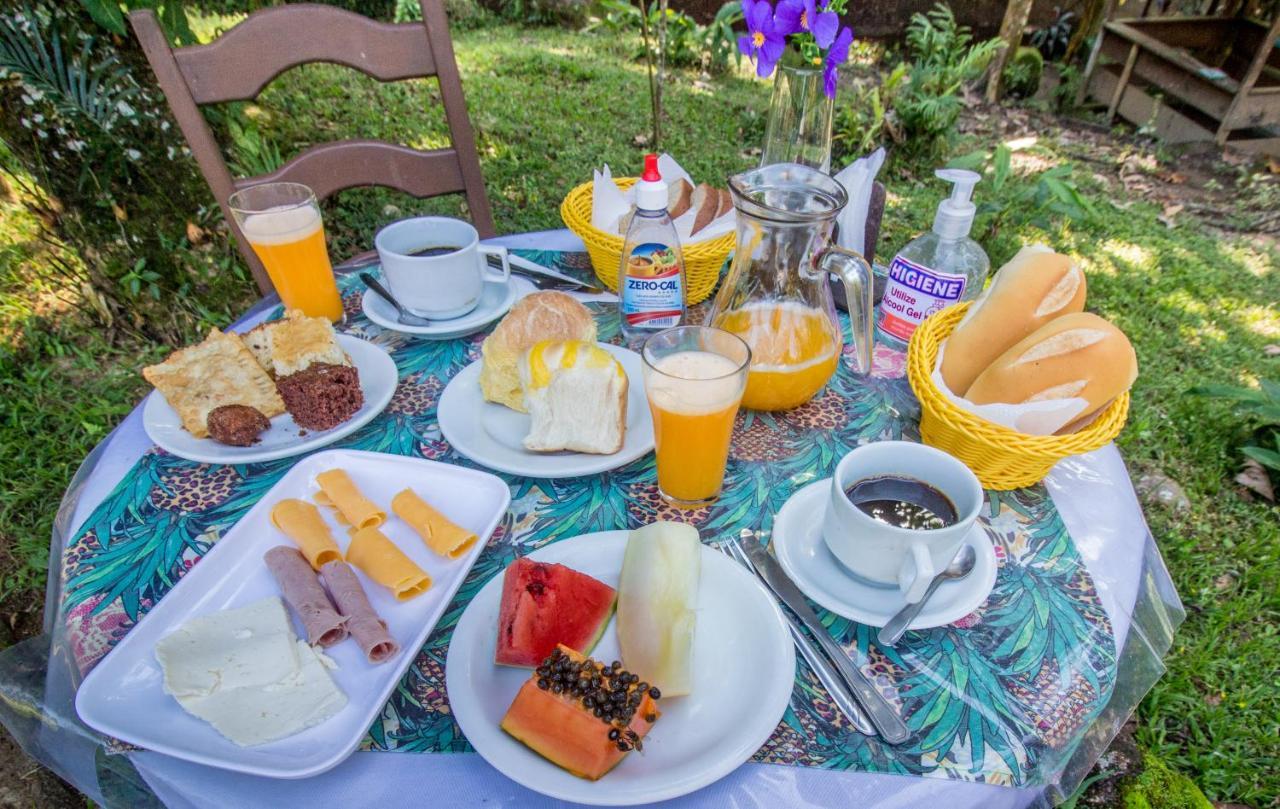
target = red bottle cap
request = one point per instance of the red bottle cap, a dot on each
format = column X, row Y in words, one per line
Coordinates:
column 651, row 174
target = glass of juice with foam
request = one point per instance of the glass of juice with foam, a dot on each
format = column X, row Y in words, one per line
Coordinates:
column 283, row 226
column 694, row 377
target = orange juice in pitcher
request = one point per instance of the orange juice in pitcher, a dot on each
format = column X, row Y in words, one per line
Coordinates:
column 775, row 295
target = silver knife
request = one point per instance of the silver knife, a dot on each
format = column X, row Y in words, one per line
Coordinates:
column 883, row 715
column 823, row 668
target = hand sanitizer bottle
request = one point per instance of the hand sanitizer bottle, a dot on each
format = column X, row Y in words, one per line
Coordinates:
column 936, row 269
column 651, row 279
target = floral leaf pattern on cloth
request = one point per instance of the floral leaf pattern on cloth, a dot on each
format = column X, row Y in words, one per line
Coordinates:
column 1002, row 696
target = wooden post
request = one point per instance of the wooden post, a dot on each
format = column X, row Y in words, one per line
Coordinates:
column 1250, row 79
column 1123, row 83
column 1015, row 20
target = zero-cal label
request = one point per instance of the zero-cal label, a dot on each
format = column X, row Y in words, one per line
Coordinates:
column 913, row 293
column 652, row 292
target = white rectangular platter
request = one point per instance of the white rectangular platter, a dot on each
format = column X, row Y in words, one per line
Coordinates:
column 123, row 696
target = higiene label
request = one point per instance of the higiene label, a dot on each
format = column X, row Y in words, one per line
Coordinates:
column 913, row 293
column 652, row 295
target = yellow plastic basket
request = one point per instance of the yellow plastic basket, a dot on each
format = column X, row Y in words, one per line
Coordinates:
column 1001, row 458
column 702, row 260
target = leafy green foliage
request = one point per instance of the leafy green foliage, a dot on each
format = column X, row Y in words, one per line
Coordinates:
column 1039, row 199
column 1052, row 40
column 1260, row 408
column 110, row 15
column 688, row 44
column 1022, row 73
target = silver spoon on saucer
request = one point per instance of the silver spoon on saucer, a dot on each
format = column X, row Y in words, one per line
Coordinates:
column 403, row 316
column 961, row 565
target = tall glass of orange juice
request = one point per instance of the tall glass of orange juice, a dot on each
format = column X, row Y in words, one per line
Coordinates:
column 694, row 377
column 282, row 223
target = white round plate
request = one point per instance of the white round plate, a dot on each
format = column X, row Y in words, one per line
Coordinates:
column 495, row 301
column 492, row 435
column 378, row 378
column 800, row 549
column 744, row 670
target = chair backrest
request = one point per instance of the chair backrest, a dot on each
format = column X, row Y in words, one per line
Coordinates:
column 240, row 63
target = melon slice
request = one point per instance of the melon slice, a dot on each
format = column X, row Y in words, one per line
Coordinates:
column 656, row 598
column 544, row 605
column 556, row 713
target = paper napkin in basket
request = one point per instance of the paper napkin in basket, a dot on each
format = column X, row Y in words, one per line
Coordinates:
column 858, row 178
column 609, row 205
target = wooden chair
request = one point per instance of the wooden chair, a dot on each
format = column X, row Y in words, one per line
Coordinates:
column 240, row 63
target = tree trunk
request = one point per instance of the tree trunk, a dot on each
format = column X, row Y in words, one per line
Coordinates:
column 1092, row 16
column 1015, row 20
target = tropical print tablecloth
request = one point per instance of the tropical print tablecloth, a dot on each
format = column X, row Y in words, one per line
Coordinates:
column 1001, row 696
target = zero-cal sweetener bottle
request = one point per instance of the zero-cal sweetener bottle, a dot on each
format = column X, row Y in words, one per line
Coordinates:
column 651, row 278
column 936, row 269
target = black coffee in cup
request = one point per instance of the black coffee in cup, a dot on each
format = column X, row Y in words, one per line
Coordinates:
column 902, row 502
column 434, row 250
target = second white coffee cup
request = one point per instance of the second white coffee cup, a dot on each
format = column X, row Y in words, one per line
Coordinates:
column 442, row 286
column 885, row 554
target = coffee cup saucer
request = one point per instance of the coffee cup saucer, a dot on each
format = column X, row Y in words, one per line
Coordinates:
column 800, row 549
column 495, row 301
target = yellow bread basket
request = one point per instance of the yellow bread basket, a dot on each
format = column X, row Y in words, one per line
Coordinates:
column 702, row 260
column 1001, row 458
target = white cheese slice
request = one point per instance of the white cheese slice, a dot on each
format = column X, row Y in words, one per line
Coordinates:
column 260, row 714
column 247, row 646
column 247, row 674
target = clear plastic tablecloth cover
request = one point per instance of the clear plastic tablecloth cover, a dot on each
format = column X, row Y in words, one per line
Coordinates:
column 1069, row 642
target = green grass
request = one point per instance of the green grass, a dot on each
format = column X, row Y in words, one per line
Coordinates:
column 548, row 106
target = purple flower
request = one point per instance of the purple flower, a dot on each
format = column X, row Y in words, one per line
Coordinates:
column 796, row 16
column 836, row 57
column 763, row 41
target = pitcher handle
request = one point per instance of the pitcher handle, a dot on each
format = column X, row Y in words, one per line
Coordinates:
column 855, row 272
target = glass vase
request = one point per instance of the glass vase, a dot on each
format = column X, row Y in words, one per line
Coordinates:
column 799, row 128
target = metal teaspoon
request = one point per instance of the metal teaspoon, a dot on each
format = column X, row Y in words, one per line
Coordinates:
column 960, row 567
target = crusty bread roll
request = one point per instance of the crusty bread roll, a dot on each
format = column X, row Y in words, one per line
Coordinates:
column 1077, row 355
column 726, row 202
column 576, row 394
column 679, row 197
column 540, row 316
column 706, row 201
column 1034, row 287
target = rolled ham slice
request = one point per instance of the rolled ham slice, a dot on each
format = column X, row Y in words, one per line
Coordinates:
column 363, row 622
column 301, row 588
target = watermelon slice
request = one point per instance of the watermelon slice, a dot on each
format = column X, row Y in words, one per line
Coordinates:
column 545, row 605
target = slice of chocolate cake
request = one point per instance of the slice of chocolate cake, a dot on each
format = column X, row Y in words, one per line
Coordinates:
column 315, row 377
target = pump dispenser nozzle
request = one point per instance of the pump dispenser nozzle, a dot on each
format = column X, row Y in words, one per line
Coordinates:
column 955, row 214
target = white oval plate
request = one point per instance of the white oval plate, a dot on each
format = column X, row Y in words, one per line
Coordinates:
column 496, row 300
column 492, row 435
column 744, row 671
column 800, row 549
column 378, row 379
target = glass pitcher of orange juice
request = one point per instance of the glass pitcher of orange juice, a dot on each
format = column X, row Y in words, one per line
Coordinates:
column 775, row 296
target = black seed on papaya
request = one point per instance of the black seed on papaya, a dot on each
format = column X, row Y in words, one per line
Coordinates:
column 544, row 683
column 655, row 693
column 613, row 734
column 651, row 718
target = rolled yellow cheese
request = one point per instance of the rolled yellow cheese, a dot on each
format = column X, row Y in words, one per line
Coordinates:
column 356, row 510
column 440, row 533
column 301, row 522
column 382, row 561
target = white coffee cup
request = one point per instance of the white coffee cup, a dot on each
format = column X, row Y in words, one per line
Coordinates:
column 885, row 554
column 441, row 286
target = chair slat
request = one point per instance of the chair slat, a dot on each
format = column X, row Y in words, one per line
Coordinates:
column 331, row 167
column 241, row 62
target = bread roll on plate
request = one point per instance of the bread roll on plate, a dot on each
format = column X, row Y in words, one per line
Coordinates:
column 541, row 316
column 576, row 395
column 1034, row 287
column 1074, row 356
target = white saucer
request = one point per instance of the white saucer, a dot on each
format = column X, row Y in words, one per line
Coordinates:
column 744, row 669
column 493, row 435
column 495, row 301
column 800, row 549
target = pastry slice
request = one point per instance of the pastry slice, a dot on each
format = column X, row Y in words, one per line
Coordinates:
column 576, row 395
column 315, row 377
column 215, row 372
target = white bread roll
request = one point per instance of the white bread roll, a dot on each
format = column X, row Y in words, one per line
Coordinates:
column 576, row 395
column 540, row 316
column 1075, row 356
column 1034, row 287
